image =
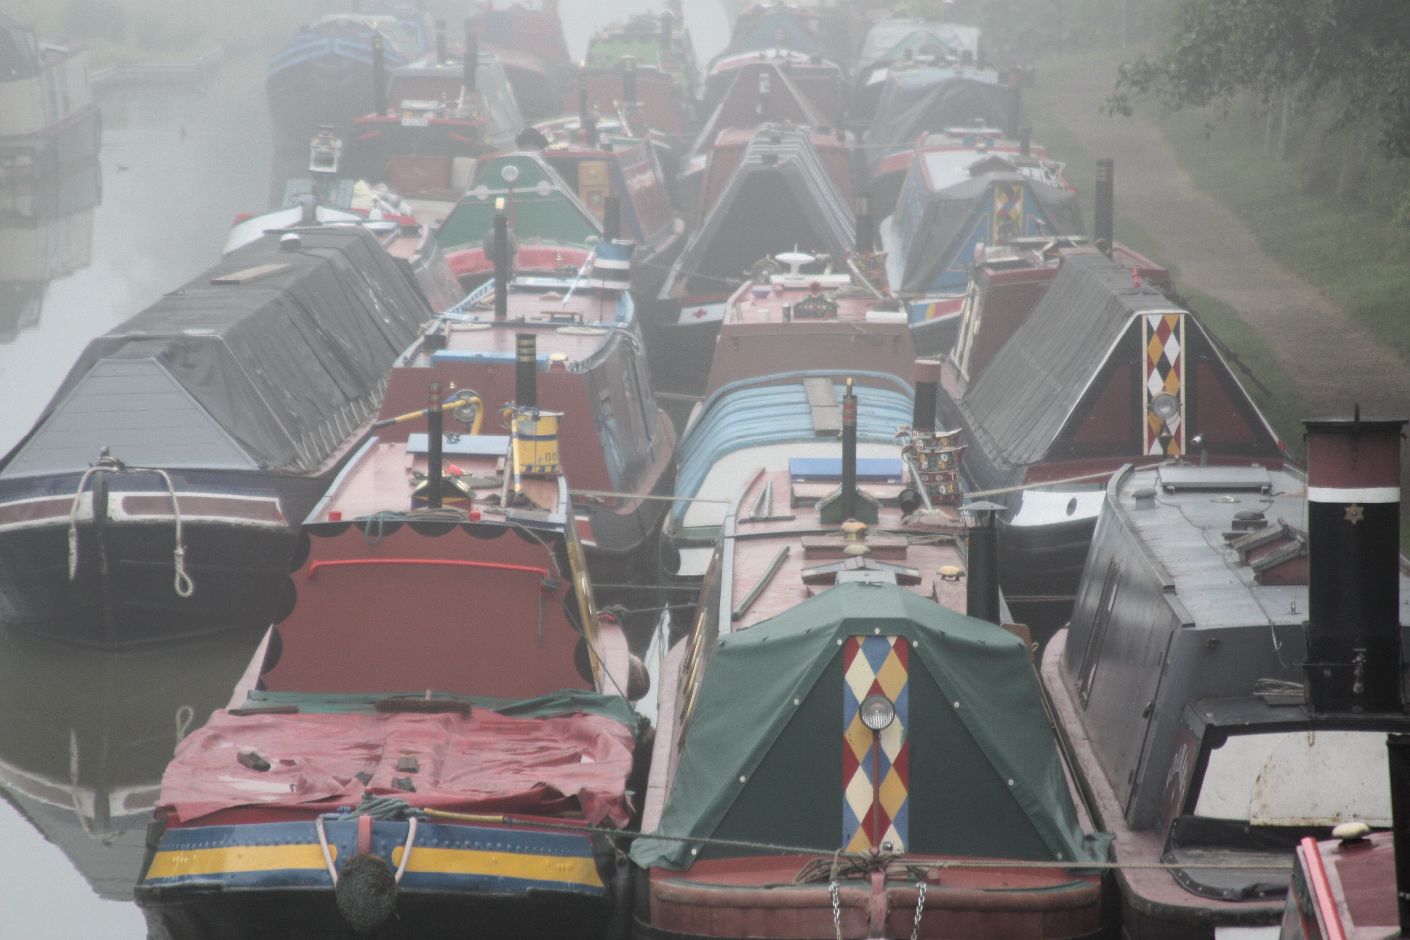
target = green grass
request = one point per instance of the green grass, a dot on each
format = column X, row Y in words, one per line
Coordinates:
column 1279, row 398
column 1356, row 255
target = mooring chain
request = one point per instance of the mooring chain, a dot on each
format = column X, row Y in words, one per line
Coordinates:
column 920, row 907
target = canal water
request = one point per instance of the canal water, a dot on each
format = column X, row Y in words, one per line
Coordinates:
column 85, row 735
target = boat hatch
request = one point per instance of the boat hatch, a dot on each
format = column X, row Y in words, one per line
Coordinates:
column 1256, row 777
column 1176, row 478
column 829, row 469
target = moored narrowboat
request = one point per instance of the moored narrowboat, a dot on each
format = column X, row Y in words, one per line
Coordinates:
column 449, row 773
column 841, row 749
column 159, row 492
column 50, row 127
column 526, row 36
column 1231, row 670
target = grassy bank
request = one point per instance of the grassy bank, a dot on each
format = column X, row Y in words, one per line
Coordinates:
column 1274, row 391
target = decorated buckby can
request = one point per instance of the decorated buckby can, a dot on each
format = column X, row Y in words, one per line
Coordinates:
column 536, row 442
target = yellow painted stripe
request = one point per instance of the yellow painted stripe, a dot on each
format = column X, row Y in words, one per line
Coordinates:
column 237, row 858
column 571, row 869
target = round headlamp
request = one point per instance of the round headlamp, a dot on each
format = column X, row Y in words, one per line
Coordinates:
column 877, row 712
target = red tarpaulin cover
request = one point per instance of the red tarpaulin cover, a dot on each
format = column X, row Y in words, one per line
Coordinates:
column 482, row 762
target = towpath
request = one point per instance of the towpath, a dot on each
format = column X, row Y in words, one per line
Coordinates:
column 1333, row 359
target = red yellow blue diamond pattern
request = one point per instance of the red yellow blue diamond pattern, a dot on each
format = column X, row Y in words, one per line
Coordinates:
column 875, row 665
column 1163, row 335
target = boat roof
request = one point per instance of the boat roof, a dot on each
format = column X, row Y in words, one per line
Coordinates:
column 739, row 103
column 780, row 196
column 770, row 702
column 1184, row 532
column 187, row 382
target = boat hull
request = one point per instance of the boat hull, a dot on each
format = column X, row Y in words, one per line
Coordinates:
column 238, row 541
column 322, row 78
column 271, row 880
column 958, row 903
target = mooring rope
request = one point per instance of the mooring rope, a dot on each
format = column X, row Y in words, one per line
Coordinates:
column 391, row 808
column 182, row 583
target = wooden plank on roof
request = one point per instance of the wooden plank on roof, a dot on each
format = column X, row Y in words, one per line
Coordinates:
column 823, row 407
column 250, row 274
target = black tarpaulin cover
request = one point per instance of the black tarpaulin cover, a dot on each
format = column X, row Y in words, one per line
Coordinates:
column 282, row 348
column 928, row 100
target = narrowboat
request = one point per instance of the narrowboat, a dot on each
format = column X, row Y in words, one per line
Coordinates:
column 450, row 774
column 1104, row 369
column 1231, row 670
column 926, row 99
column 526, row 36
column 49, row 125
column 814, row 30
column 430, row 119
column 955, row 201
column 593, row 370
column 902, row 44
column 327, row 74
column 780, row 198
column 86, row 735
column 847, row 656
column 159, row 493
column 561, row 202
column 646, row 67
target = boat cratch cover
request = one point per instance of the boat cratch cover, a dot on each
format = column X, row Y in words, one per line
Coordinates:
column 985, row 776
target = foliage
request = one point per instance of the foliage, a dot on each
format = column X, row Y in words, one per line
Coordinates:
column 1356, row 52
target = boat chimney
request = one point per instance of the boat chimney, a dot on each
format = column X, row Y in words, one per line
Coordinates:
column 379, row 75
column 1353, row 547
column 982, row 583
column 471, row 64
column 668, row 23
column 927, row 379
column 526, row 370
column 629, row 79
column 1398, row 756
column 865, row 241
column 501, row 262
column 440, row 42
column 1025, row 141
column 435, row 442
column 1105, row 204
column 849, row 453
column 612, row 218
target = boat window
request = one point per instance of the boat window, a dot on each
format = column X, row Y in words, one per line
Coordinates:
column 1297, row 778
column 1087, row 673
column 609, row 432
column 641, row 393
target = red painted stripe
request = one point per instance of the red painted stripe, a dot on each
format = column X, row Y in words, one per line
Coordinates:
column 436, row 562
column 1322, row 890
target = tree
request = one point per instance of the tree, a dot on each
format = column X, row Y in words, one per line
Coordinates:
column 1355, row 52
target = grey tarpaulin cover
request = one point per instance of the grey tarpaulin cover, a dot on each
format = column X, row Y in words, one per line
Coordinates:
column 928, row 100
column 778, row 198
column 279, row 347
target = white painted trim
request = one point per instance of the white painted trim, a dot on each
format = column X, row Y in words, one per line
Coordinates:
column 1353, row 494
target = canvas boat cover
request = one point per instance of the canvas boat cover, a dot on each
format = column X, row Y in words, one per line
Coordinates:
column 568, row 753
column 1021, row 401
column 542, row 208
column 935, row 229
column 892, row 40
column 273, row 355
column 780, row 197
column 757, row 696
column 775, row 409
column 928, row 100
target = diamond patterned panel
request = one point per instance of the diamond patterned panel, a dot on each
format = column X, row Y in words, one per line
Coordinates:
column 875, row 665
column 1163, row 338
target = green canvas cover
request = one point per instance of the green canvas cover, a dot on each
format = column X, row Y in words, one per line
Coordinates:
column 542, row 209
column 986, row 778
